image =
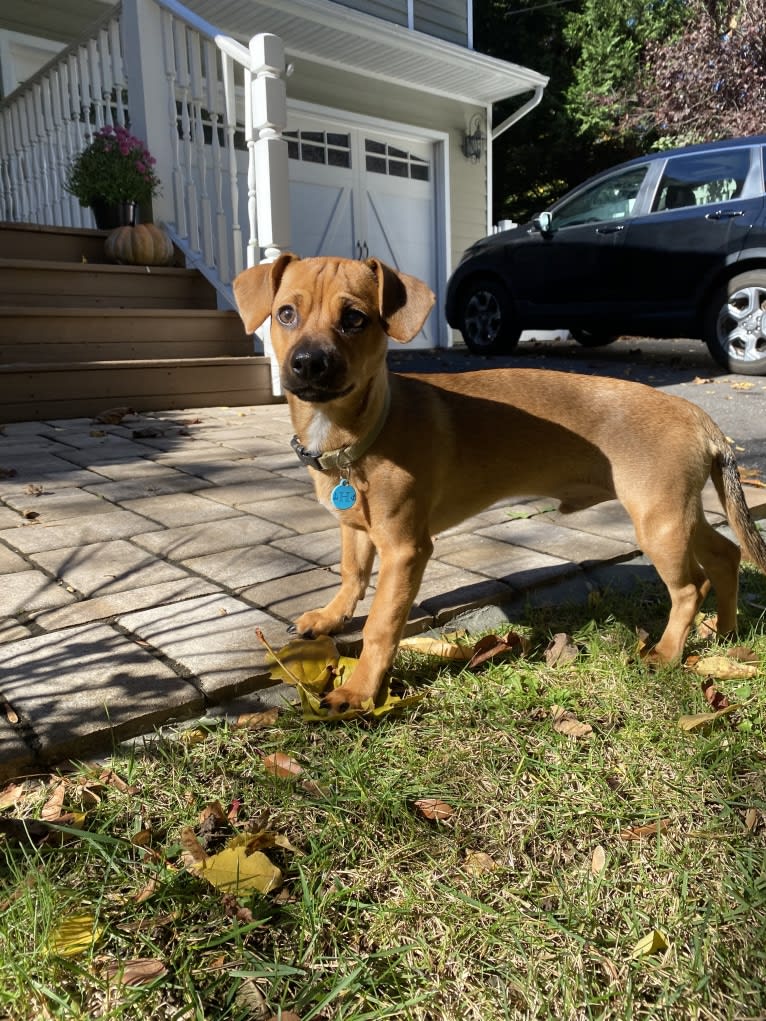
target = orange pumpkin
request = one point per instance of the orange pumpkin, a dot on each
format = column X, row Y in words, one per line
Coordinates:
column 142, row 245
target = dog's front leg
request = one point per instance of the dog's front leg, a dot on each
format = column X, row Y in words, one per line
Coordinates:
column 401, row 572
column 356, row 559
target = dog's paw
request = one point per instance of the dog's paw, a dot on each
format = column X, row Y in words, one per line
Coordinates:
column 343, row 700
column 317, row 622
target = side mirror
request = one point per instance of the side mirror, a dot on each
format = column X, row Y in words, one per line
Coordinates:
column 544, row 222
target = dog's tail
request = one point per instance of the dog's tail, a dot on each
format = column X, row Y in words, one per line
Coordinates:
column 725, row 476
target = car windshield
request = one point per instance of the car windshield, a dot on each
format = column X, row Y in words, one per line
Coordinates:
column 611, row 198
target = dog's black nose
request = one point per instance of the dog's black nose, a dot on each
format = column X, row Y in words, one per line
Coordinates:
column 312, row 364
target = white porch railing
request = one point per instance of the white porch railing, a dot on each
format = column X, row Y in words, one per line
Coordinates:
column 211, row 111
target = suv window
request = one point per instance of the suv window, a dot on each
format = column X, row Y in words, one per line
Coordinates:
column 701, row 179
column 611, row 198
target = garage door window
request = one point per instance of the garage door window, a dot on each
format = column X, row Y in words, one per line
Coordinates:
column 382, row 158
column 329, row 147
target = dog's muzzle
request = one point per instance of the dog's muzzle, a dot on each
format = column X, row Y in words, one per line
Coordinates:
column 315, row 372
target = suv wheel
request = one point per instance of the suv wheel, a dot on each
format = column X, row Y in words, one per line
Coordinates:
column 486, row 318
column 735, row 324
column 593, row 338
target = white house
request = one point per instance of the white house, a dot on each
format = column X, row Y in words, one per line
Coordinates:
column 349, row 128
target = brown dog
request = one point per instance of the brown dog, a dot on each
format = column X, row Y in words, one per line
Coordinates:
column 401, row 458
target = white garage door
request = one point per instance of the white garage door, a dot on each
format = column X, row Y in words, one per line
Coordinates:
column 359, row 193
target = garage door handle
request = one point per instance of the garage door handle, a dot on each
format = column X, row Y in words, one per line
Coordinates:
column 724, row 214
column 362, row 251
column 610, row 230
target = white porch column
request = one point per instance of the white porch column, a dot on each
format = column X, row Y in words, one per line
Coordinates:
column 269, row 163
column 147, row 77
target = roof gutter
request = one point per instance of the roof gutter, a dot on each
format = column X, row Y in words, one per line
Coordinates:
column 518, row 114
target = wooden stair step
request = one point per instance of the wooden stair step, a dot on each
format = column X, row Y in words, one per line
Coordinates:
column 76, row 285
column 87, row 334
column 57, row 390
column 64, row 244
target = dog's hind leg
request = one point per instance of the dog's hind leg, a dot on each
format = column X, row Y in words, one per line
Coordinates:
column 720, row 559
column 357, row 558
column 667, row 538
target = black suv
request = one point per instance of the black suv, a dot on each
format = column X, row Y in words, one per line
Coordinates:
column 668, row 245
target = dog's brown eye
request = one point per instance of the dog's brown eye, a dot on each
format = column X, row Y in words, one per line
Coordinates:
column 287, row 315
column 352, row 320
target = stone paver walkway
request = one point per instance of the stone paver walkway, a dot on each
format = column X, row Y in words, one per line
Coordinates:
column 137, row 560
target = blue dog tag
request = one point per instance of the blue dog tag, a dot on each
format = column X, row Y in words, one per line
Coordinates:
column 343, row 496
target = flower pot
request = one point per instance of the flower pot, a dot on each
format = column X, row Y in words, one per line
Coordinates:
column 109, row 215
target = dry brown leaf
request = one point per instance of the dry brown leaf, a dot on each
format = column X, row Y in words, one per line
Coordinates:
column 492, row 647
column 751, row 819
column 280, row 764
column 434, row 808
column 250, row 999
column 443, row 647
column 714, row 698
column 9, row 712
column 113, row 416
column 138, row 972
column 476, row 863
column 598, row 860
column 109, row 777
column 651, row 829
column 11, row 795
column 561, row 650
column 743, row 654
column 314, row 789
column 255, row 721
column 53, row 808
column 565, row 722
column 193, row 851
column 723, row 668
column 698, row 721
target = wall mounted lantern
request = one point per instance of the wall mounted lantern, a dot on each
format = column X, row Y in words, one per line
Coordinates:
column 474, row 140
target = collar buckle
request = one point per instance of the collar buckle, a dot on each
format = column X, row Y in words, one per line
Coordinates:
column 305, row 456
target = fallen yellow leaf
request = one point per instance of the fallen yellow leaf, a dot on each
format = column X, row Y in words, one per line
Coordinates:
column 74, row 935
column 307, row 662
column 652, row 943
column 233, row 870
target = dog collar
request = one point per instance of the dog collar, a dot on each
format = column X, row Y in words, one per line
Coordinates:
column 332, row 460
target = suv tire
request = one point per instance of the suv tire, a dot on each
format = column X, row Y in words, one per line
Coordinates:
column 734, row 327
column 487, row 322
column 593, row 338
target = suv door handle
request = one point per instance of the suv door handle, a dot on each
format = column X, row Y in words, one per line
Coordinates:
column 612, row 229
column 724, row 214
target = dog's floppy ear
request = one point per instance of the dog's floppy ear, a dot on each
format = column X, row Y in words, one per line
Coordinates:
column 404, row 301
column 254, row 290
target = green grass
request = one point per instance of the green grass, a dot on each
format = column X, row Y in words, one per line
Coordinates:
column 381, row 914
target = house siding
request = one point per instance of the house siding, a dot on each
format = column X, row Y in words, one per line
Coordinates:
column 394, row 11
column 446, row 19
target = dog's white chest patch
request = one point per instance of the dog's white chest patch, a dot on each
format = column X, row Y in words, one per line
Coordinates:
column 319, row 427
